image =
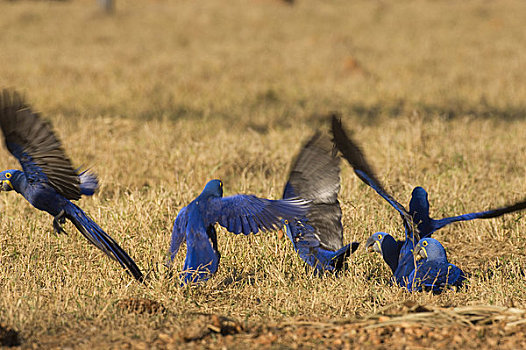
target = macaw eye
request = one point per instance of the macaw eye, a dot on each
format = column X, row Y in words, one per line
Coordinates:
column 8, row 175
column 380, row 237
column 286, row 222
column 424, row 243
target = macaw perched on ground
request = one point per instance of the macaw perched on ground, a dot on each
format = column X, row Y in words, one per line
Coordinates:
column 318, row 237
column 435, row 273
column 388, row 247
column 245, row 214
column 417, row 222
column 48, row 180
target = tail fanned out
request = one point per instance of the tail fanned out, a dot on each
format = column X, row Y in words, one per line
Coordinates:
column 102, row 240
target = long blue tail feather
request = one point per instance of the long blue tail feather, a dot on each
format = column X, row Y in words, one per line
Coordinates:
column 102, row 240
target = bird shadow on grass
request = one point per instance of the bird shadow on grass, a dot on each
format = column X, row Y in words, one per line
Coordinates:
column 236, row 277
column 371, row 113
column 285, row 113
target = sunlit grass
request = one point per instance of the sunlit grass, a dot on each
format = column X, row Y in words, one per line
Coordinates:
column 165, row 96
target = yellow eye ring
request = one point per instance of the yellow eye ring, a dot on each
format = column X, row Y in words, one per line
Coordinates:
column 424, row 243
column 286, row 222
column 7, row 175
column 380, row 237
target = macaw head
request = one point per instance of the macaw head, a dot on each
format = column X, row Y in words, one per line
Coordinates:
column 419, row 204
column 8, row 178
column 379, row 241
column 430, row 249
column 386, row 245
column 213, row 188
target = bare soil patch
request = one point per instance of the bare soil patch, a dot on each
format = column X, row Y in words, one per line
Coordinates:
column 405, row 326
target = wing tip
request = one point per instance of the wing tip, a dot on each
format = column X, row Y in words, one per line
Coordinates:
column 12, row 99
column 336, row 121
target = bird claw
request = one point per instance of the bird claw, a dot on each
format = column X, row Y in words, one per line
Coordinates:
column 58, row 221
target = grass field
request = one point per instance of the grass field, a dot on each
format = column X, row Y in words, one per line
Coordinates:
column 166, row 95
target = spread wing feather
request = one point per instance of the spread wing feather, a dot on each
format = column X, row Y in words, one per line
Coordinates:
column 31, row 140
column 262, row 214
column 354, row 155
column 315, row 176
column 488, row 214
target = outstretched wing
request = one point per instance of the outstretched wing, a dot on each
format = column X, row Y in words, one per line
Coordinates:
column 354, row 155
column 178, row 233
column 315, row 176
column 493, row 213
column 32, row 141
column 248, row 214
column 315, row 173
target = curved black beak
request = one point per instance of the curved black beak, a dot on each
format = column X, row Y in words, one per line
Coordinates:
column 420, row 253
column 6, row 186
column 373, row 245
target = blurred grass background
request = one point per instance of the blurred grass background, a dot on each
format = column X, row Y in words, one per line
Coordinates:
column 165, row 95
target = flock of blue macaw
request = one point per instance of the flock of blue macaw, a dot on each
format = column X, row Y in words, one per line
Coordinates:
column 418, row 262
column 309, row 212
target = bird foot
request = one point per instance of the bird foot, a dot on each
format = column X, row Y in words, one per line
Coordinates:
column 58, row 221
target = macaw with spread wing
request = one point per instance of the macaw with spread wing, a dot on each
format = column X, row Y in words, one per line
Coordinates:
column 318, row 237
column 48, row 180
column 245, row 214
column 417, row 223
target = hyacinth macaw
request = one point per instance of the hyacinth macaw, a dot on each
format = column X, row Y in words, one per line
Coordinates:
column 315, row 176
column 48, row 180
column 245, row 214
column 389, row 248
column 435, row 273
column 417, row 222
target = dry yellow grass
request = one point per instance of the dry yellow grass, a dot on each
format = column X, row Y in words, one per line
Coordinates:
column 166, row 95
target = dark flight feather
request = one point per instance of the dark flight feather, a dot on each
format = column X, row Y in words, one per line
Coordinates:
column 32, row 141
column 315, row 176
column 354, row 155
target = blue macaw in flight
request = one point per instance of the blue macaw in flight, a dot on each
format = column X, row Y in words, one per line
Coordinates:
column 318, row 237
column 435, row 273
column 417, row 222
column 245, row 214
column 48, row 180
